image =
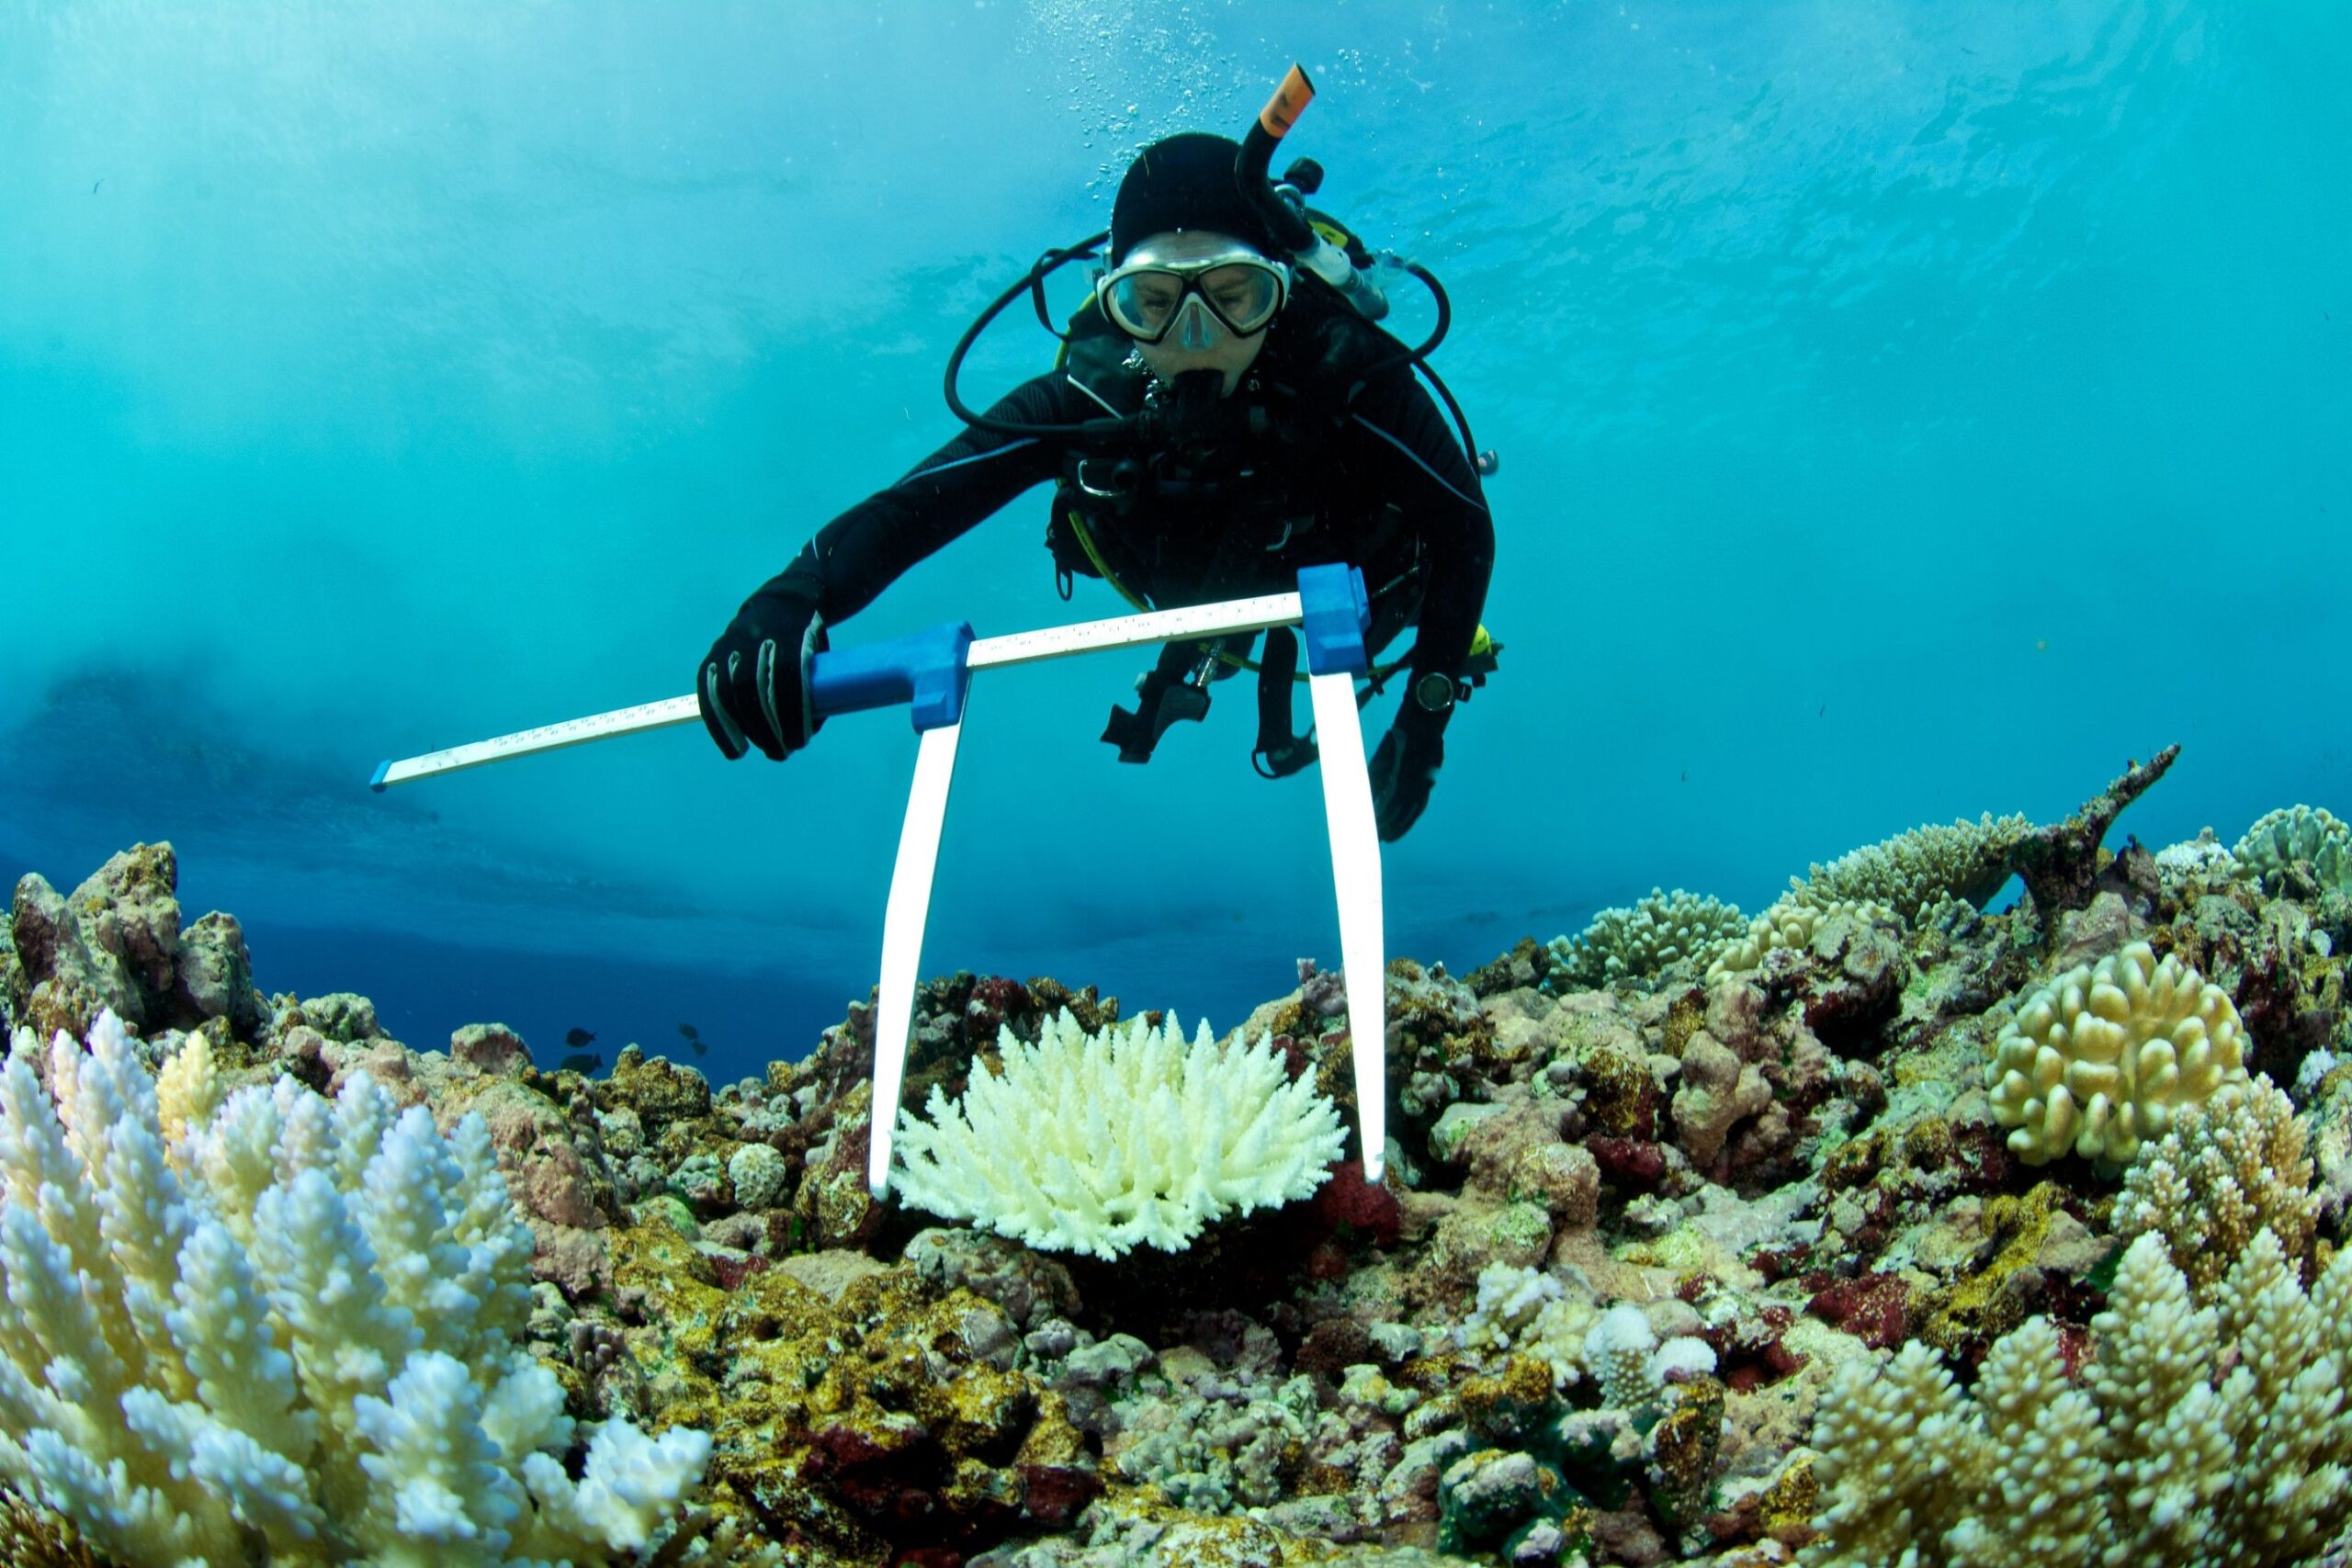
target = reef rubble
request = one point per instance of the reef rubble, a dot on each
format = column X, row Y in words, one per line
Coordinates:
column 1665, row 1205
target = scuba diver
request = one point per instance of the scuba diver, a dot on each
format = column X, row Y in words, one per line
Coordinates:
column 1224, row 413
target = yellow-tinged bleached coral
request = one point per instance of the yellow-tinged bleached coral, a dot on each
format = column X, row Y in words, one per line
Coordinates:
column 1096, row 1142
column 2213, row 1436
column 2222, row 1174
column 1897, row 1452
column 2101, row 1058
column 291, row 1333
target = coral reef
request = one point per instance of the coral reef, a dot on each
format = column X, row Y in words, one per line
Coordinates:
column 1727, row 1253
column 2222, row 1174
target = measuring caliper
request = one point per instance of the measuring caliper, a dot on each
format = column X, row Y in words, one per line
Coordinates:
column 932, row 672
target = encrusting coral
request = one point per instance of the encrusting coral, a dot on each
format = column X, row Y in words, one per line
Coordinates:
column 2212, row 1437
column 1096, row 1142
column 2102, row 1057
column 276, row 1323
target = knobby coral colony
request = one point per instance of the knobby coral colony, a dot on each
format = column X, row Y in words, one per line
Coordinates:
column 1878, row 1228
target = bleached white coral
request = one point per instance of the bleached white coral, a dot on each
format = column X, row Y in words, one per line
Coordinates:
column 2201, row 859
column 1525, row 1311
column 1096, row 1142
column 2202, row 1436
column 1914, row 870
column 1639, row 944
column 2102, row 1057
column 2222, row 1174
column 1630, row 1365
column 292, row 1329
column 2307, row 833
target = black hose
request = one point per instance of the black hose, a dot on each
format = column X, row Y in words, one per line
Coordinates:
column 1437, row 334
column 1034, row 281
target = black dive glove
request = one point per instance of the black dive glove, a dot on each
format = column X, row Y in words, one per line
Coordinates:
column 1403, row 767
column 753, row 683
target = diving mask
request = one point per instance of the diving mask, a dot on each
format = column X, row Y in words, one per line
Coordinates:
column 1159, row 297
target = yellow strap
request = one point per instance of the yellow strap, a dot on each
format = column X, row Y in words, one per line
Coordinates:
column 1086, row 543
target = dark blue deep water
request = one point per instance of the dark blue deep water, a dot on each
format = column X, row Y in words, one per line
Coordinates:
column 1906, row 411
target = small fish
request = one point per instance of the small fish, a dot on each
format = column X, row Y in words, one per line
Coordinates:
column 96, row 183
column 583, row 1062
column 575, row 1038
column 690, row 1032
column 1824, row 713
column 700, row 1049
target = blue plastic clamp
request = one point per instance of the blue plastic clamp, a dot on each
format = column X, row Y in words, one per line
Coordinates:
column 930, row 669
column 1337, row 614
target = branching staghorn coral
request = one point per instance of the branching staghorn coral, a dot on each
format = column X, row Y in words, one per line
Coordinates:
column 1637, row 945
column 2222, row 1174
column 291, row 1329
column 1908, row 879
column 2213, row 1436
column 1096, row 1143
column 1914, row 870
column 2101, row 1057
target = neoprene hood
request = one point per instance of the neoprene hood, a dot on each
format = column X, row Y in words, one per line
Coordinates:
column 1185, row 182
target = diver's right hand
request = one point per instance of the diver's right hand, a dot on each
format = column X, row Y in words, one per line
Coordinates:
column 753, row 683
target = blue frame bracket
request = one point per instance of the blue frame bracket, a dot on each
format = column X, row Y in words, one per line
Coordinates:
column 930, row 670
column 1335, row 612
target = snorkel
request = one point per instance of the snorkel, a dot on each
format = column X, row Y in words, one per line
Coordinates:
column 1283, row 207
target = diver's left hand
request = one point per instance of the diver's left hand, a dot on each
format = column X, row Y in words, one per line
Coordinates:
column 1404, row 771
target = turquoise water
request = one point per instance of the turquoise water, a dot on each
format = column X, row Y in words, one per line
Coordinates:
column 1905, row 411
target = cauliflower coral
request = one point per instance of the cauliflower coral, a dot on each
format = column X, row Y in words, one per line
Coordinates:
column 2100, row 1058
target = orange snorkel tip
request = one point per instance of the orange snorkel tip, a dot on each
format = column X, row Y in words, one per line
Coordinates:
column 1290, row 101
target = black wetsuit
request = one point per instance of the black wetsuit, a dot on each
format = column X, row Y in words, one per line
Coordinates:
column 1294, row 472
